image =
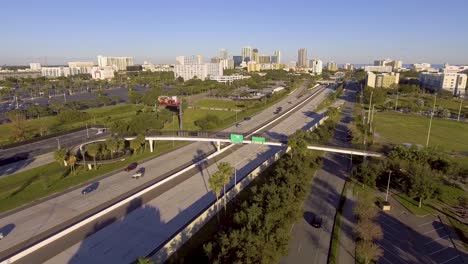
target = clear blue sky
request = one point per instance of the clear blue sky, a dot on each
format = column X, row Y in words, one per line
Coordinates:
column 342, row 30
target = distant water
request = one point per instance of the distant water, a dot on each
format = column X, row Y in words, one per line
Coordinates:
column 436, row 66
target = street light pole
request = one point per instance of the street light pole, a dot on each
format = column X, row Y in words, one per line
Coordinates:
column 58, row 143
column 370, row 106
column 459, row 110
column 388, row 185
column 87, row 132
column 430, row 122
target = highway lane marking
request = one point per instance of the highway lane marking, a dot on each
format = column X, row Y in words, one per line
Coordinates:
column 430, row 222
column 442, row 249
column 299, row 248
column 449, row 259
column 435, row 229
column 434, row 240
column 398, row 256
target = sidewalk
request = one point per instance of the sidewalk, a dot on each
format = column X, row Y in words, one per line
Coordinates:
column 347, row 245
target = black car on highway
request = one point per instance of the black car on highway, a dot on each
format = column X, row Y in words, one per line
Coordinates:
column 131, row 167
column 316, row 222
column 90, row 188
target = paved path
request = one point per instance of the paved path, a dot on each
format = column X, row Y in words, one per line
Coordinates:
column 309, row 244
column 147, row 227
column 39, row 220
column 347, row 245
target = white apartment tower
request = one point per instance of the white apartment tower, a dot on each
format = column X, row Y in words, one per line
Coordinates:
column 246, row 53
column 317, row 66
column 187, row 60
column 119, row 63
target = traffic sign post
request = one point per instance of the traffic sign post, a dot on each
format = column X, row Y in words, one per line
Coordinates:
column 258, row 140
column 236, row 138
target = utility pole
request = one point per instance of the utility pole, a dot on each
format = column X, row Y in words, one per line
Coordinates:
column 430, row 122
column 87, row 132
column 459, row 110
column 370, row 106
column 396, row 104
column 388, row 185
column 58, row 143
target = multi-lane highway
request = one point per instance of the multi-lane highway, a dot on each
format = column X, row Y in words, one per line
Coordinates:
column 310, row 244
column 147, row 227
column 39, row 221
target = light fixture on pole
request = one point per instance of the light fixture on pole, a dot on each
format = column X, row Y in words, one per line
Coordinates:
column 388, row 185
column 430, row 122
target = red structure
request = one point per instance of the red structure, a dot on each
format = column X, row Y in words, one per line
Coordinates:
column 168, row 101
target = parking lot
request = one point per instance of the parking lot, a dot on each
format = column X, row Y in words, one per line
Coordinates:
column 411, row 239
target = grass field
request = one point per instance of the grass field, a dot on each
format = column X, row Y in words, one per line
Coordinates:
column 28, row 186
column 99, row 115
column 452, row 104
column 224, row 103
column 400, row 128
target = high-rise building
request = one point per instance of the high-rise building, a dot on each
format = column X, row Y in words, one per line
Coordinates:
column 453, row 82
column 382, row 80
column 102, row 73
column 264, row 59
column 277, row 56
column 77, row 67
column 201, row 71
column 331, row 66
column 348, row 67
column 255, row 55
column 455, row 69
column 34, row 66
column 395, row 64
column 185, row 60
column 378, row 68
column 55, row 71
column 246, row 54
column 316, row 66
column 223, row 53
column 421, row 67
column 119, row 63
column 237, row 60
column 302, row 60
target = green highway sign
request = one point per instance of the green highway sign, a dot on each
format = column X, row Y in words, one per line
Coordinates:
column 258, row 140
column 235, row 138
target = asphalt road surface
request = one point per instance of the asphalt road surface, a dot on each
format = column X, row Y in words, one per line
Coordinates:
column 32, row 150
column 147, row 227
column 36, row 222
column 309, row 244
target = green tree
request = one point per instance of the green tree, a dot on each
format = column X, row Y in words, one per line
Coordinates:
column 135, row 145
column 297, row 144
column 142, row 260
column 226, row 171
column 17, row 124
column 60, row 156
column 367, row 229
column 112, row 145
column 216, row 182
column 93, row 150
column 368, row 250
column 423, row 182
column 71, row 160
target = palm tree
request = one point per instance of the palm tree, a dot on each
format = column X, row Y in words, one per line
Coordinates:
column 135, row 145
column 72, row 161
column 59, row 156
column 93, row 150
column 216, row 182
column 226, row 171
column 112, row 145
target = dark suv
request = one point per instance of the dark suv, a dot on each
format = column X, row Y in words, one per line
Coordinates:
column 316, row 222
column 131, row 167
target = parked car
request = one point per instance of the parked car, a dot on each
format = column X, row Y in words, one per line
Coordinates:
column 131, row 166
column 247, row 118
column 140, row 173
column 316, row 222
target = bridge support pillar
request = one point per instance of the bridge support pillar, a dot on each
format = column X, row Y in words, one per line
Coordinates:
column 151, row 145
column 218, row 145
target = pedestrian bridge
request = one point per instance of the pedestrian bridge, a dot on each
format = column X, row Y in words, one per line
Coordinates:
column 224, row 137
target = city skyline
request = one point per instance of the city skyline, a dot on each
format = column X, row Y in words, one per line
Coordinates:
column 345, row 32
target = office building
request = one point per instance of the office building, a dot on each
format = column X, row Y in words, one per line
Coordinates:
column 147, row 66
column 200, row 71
column 265, row 59
column 382, row 80
column 276, row 57
column 252, row 66
column 348, row 67
column 421, row 67
column 35, row 66
column 255, row 56
column 453, row 82
column 246, row 54
column 378, row 68
column 54, row 72
column 316, row 66
column 187, row 60
column 102, row 73
column 228, row 78
column 455, row 69
column 302, row 60
column 237, row 60
column 331, row 66
column 120, row 63
column 223, row 53
column 395, row 64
